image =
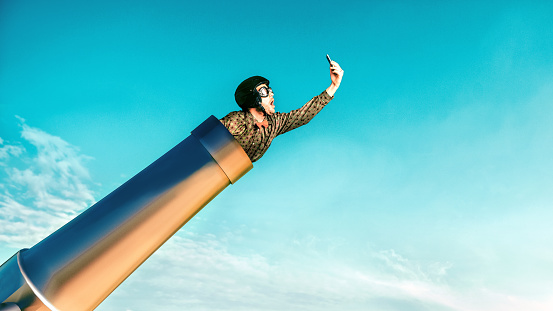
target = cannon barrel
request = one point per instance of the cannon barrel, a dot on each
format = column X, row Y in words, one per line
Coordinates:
column 79, row 265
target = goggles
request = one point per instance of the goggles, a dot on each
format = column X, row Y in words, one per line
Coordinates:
column 264, row 91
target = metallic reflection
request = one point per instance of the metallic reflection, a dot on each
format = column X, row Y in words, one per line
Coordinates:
column 79, row 265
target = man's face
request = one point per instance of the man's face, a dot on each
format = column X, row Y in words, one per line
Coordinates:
column 267, row 102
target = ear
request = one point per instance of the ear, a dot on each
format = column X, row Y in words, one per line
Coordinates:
column 257, row 99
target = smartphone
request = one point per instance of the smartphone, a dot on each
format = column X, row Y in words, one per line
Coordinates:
column 328, row 59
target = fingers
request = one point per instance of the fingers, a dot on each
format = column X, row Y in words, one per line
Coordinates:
column 335, row 68
column 335, row 65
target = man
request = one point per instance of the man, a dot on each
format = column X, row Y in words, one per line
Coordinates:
column 258, row 124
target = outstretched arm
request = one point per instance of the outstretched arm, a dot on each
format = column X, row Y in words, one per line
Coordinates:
column 301, row 116
column 336, row 74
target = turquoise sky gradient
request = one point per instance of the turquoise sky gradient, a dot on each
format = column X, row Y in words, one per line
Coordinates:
column 424, row 185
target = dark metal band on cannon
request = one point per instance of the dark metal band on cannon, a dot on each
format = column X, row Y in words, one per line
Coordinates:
column 79, row 265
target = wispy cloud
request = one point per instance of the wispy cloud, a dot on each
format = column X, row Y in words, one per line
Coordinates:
column 200, row 272
column 48, row 189
column 7, row 151
column 407, row 269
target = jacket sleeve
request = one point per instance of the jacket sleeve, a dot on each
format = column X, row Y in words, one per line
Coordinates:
column 296, row 118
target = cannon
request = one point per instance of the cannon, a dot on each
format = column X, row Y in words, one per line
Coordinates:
column 79, row 265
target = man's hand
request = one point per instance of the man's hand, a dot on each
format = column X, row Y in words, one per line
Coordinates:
column 336, row 74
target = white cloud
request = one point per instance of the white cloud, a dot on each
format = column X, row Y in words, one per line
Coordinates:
column 52, row 188
column 407, row 269
column 9, row 150
column 199, row 272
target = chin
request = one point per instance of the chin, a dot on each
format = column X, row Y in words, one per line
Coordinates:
column 269, row 110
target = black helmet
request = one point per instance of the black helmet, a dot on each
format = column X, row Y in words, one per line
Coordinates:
column 246, row 95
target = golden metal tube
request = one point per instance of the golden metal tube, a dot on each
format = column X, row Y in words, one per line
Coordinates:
column 79, row 265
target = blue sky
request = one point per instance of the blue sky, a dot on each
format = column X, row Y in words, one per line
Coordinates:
column 424, row 185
